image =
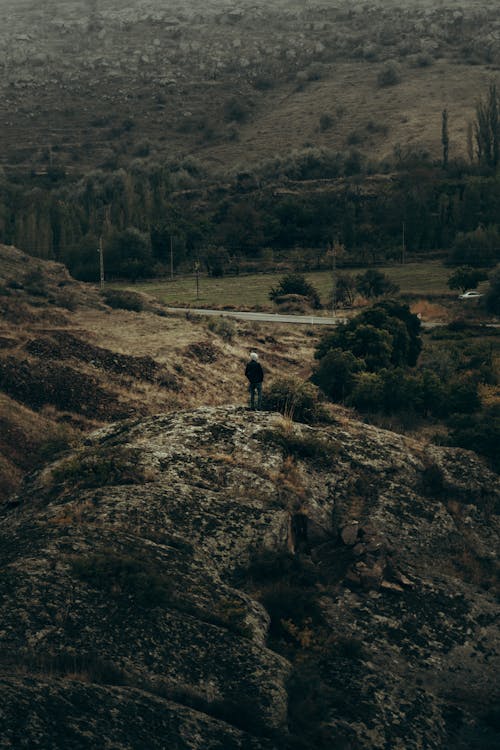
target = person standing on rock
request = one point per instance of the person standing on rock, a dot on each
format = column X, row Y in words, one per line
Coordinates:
column 255, row 377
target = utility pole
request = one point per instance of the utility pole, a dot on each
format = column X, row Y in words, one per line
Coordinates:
column 334, row 281
column 197, row 271
column 101, row 263
column 101, row 251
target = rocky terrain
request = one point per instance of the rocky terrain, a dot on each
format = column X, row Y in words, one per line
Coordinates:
column 73, row 358
column 96, row 83
column 218, row 578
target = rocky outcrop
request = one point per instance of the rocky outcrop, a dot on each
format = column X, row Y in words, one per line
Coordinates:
column 226, row 578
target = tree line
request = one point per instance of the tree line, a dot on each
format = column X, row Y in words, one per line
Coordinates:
column 450, row 206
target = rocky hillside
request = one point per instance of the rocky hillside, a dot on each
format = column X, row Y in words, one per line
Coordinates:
column 219, row 578
column 103, row 83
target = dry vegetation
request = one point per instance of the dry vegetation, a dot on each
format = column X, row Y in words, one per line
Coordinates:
column 236, row 84
column 63, row 372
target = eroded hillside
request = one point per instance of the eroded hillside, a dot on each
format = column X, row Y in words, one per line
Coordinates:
column 70, row 362
column 224, row 578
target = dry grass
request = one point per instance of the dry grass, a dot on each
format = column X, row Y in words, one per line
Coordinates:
column 167, row 340
column 411, row 111
column 28, row 437
column 290, row 485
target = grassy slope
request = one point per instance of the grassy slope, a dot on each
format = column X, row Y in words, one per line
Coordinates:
column 411, row 112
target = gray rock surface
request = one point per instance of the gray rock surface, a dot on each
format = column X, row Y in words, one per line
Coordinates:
column 223, row 578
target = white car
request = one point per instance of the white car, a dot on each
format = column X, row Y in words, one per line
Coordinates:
column 472, row 294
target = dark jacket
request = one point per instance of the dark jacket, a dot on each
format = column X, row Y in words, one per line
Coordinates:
column 254, row 372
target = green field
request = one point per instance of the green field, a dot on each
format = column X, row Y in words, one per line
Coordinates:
column 252, row 290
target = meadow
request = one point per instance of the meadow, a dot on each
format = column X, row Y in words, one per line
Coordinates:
column 252, row 290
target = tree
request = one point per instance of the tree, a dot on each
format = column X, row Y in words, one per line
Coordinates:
column 445, row 139
column 466, row 277
column 296, row 283
column 373, row 345
column 345, row 290
column 487, row 129
column 492, row 299
column 478, row 248
column 127, row 254
column 402, row 312
column 367, row 393
column 374, row 283
column 384, row 335
column 336, row 372
column 83, row 259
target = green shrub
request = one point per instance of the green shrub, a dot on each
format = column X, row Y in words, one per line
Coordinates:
column 263, row 83
column 478, row 432
column 336, row 373
column 296, row 283
column 236, row 110
column 35, row 283
column 375, row 127
column 462, row 395
column 367, row 392
column 387, row 333
column 297, row 399
column 466, row 277
column 325, row 121
column 122, row 299
column 354, row 138
column 389, row 75
column 374, row 283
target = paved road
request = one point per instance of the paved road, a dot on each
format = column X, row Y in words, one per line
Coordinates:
column 264, row 317
column 311, row 320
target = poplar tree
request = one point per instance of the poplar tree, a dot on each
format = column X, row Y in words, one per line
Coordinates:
column 445, row 140
column 487, row 129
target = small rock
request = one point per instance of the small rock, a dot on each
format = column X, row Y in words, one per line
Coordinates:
column 349, row 533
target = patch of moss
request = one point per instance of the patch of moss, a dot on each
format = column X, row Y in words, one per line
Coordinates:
column 317, row 450
column 99, row 468
column 119, row 575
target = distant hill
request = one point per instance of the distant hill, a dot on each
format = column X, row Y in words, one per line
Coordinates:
column 87, row 84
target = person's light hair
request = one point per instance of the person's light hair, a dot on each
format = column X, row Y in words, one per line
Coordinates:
column 254, row 355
